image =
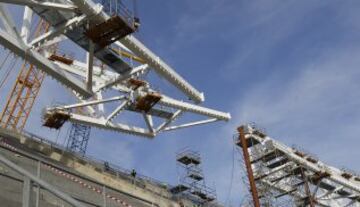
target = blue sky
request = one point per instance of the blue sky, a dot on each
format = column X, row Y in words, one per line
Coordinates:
column 290, row 66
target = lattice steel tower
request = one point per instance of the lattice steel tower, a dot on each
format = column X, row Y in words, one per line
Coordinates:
column 78, row 138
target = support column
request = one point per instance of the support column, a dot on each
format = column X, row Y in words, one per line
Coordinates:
column 37, row 201
column 25, row 29
column 26, row 199
column 104, row 196
column 249, row 170
column 90, row 62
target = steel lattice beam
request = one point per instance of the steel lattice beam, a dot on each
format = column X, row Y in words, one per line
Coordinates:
column 42, row 63
column 79, row 21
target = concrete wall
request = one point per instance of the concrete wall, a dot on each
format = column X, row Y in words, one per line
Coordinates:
column 82, row 179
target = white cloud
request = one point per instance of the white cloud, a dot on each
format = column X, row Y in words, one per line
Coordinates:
column 317, row 108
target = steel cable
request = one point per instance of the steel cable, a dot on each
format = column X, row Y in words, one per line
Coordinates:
column 4, row 61
column 8, row 73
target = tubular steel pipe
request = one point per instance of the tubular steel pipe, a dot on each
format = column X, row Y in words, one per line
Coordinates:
column 249, row 170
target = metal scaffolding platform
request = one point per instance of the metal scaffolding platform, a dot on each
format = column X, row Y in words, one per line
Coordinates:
column 109, row 31
column 283, row 176
column 192, row 180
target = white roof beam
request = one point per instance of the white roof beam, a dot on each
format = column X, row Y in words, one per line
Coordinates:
column 47, row 5
column 149, row 122
column 170, row 102
column 168, row 122
column 90, row 65
column 26, row 26
column 162, row 68
column 154, row 61
column 43, row 63
column 121, row 78
column 92, row 103
column 117, row 111
column 57, row 31
column 103, row 124
column 191, row 124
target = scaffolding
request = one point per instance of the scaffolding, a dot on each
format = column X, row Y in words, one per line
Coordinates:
column 285, row 176
column 192, row 180
column 78, row 138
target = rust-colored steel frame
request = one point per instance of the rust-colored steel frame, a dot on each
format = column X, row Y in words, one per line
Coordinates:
column 249, row 170
column 24, row 92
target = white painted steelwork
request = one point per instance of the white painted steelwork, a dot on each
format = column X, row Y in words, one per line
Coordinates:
column 69, row 20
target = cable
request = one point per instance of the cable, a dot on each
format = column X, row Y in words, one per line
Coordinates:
column 66, row 139
column 8, row 73
column 231, row 177
column 4, row 61
column 57, row 136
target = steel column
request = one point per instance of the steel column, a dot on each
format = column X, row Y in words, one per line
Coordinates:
column 26, row 199
column 37, row 201
column 249, row 170
column 42, row 183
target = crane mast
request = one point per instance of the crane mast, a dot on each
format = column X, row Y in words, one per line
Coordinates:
column 24, row 91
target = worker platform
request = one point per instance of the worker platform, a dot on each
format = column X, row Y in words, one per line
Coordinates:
column 179, row 189
column 188, row 157
column 55, row 119
column 109, row 31
column 102, row 33
column 146, row 103
column 206, row 196
column 196, row 175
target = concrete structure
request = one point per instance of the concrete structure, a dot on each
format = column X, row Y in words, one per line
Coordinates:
column 90, row 182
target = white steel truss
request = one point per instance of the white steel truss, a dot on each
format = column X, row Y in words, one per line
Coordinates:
column 70, row 20
column 287, row 174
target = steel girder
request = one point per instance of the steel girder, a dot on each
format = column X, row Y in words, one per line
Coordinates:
column 118, row 82
column 89, row 81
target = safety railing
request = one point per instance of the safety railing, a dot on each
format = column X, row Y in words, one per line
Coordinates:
column 98, row 162
column 30, row 180
column 119, row 8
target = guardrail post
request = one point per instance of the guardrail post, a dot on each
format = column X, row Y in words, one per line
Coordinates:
column 104, row 196
column 37, row 203
column 26, row 192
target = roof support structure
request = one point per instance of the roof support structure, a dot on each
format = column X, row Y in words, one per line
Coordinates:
column 82, row 21
column 46, row 5
column 17, row 46
column 154, row 61
column 57, row 31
